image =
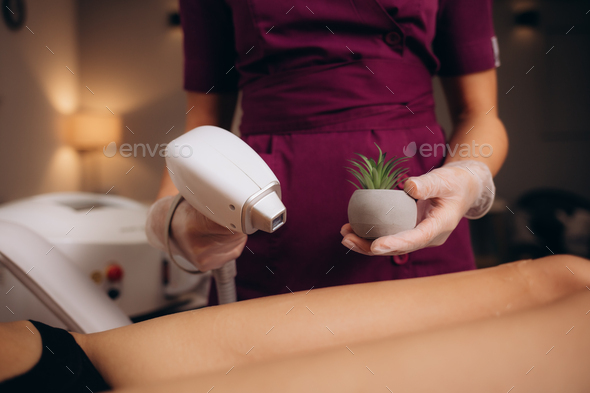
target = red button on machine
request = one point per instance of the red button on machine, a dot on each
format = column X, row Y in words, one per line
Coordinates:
column 392, row 38
column 114, row 272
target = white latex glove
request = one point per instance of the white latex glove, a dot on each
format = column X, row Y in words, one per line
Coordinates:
column 445, row 195
column 203, row 242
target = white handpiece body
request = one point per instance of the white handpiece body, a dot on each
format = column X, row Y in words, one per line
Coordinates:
column 228, row 182
column 225, row 179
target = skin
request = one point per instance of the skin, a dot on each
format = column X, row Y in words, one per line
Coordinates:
column 473, row 106
column 492, row 356
column 215, row 339
column 472, row 101
column 21, row 348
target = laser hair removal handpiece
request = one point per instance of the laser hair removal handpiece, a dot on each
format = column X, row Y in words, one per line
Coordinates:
column 229, row 183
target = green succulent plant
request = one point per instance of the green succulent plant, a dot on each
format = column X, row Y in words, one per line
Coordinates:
column 377, row 175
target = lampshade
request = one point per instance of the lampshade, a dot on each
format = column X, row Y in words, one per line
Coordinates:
column 89, row 131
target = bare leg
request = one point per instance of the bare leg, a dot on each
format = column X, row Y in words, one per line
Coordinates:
column 219, row 338
column 545, row 349
column 20, row 348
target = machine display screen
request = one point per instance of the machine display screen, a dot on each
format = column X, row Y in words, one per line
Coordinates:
column 84, row 205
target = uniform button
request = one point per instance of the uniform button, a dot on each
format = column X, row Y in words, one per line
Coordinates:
column 392, row 38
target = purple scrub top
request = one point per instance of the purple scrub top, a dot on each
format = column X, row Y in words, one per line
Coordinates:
column 322, row 81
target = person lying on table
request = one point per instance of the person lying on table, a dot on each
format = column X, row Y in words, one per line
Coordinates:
column 477, row 330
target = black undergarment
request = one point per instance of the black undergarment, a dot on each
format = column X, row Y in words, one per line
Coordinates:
column 63, row 367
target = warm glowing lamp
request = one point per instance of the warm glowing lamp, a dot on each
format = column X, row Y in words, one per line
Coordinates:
column 87, row 133
column 91, row 132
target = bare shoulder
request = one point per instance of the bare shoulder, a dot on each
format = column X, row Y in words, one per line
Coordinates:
column 21, row 348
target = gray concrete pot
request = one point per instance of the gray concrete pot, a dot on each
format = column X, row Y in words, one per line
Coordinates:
column 376, row 213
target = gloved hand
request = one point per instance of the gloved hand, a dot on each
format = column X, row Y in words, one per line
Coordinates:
column 445, row 195
column 203, row 242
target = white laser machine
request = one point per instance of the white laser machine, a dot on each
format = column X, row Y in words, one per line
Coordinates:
column 82, row 248
column 228, row 182
column 69, row 295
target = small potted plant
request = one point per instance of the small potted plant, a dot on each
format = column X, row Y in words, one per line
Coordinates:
column 375, row 208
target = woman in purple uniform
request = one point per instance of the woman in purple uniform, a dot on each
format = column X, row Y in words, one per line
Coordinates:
column 321, row 81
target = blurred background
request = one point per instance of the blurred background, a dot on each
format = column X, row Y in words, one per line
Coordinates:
column 119, row 64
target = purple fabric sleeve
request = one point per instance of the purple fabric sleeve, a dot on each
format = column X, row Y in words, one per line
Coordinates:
column 465, row 41
column 209, row 50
